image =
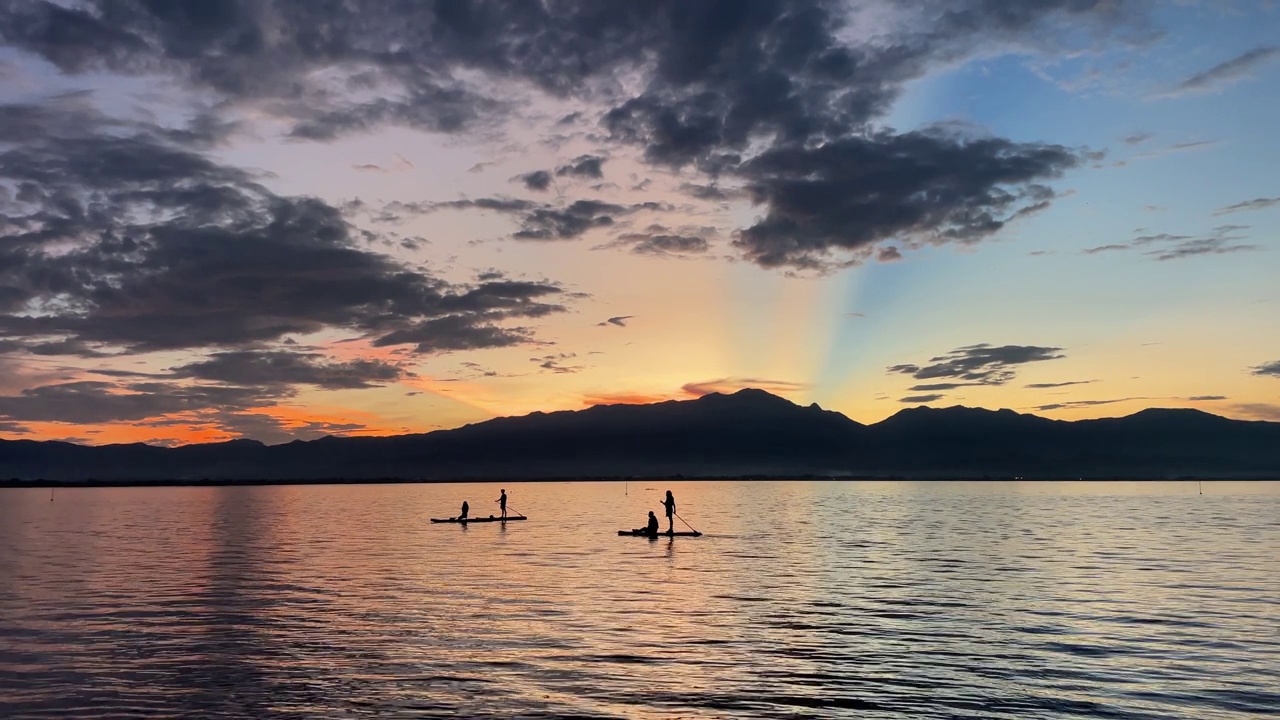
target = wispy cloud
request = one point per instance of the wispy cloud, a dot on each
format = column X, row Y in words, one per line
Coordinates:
column 1272, row 369
column 1257, row 411
column 620, row 321
column 1169, row 246
column 1041, row 386
column 400, row 165
column 917, row 399
column 733, row 384
column 1221, row 75
column 1073, row 404
column 979, row 364
column 1254, row 204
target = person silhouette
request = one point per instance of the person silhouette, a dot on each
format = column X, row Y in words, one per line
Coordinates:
column 465, row 509
column 670, row 504
column 502, row 503
column 652, row 528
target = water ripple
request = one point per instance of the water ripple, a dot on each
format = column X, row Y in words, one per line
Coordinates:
column 802, row 600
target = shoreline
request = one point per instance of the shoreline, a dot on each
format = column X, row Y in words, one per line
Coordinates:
column 14, row 483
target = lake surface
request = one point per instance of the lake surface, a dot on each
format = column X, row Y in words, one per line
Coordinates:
column 866, row 600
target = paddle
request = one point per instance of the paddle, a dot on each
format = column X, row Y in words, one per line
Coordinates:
column 685, row 523
column 512, row 507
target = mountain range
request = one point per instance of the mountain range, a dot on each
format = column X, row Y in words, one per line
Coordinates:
column 747, row 433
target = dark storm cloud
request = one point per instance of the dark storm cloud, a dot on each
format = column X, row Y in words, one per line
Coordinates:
column 916, row 399
column 91, row 402
column 979, row 364
column 719, row 76
column 852, row 193
column 1042, row 386
column 585, row 166
column 1271, row 369
column 455, row 332
column 1223, row 73
column 1255, row 204
column 290, row 368
column 538, row 180
column 127, row 241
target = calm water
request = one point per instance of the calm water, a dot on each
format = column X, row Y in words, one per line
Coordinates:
column 866, row 600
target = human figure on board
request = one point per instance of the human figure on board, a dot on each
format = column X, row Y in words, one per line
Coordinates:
column 465, row 509
column 670, row 504
column 652, row 528
column 502, row 503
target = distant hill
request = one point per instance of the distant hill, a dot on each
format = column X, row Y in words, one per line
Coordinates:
column 750, row 432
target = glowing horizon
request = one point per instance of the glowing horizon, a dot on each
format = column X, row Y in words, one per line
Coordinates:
column 1069, row 211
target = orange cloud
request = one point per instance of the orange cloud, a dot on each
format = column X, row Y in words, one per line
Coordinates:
column 623, row 398
column 731, row 385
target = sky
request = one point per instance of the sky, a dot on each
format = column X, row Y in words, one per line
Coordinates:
column 284, row 219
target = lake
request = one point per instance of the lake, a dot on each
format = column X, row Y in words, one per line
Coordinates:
column 803, row 599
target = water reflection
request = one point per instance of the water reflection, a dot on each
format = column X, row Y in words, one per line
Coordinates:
column 835, row 599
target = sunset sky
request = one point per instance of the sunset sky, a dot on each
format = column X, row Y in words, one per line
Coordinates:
column 282, row 219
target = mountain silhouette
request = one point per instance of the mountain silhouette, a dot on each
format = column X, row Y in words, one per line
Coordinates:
column 750, row 432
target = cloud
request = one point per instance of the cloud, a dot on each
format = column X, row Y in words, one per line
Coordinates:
column 89, row 402
column 1200, row 246
column 933, row 387
column 566, row 223
column 1220, row 240
column 916, row 399
column 845, row 196
column 1137, row 138
column 710, row 192
column 584, row 166
column 290, row 368
column 1074, row 404
column 400, row 165
column 734, row 384
column 555, row 363
column 13, row 427
column 620, row 321
column 622, row 398
column 1104, row 248
column 134, row 244
column 1206, row 398
column 1267, row 369
column 777, row 97
column 662, row 244
column 1041, row 386
column 538, row 180
column 539, row 221
column 981, row 364
column 888, row 254
column 1254, row 204
column 1222, row 74
column 1257, row 411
